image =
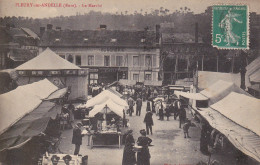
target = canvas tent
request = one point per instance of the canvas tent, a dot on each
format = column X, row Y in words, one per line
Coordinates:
column 207, row 78
column 57, row 70
column 16, row 103
column 104, row 96
column 107, row 107
column 24, row 114
column 227, row 116
column 214, row 92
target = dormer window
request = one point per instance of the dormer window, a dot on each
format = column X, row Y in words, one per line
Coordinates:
column 142, row 40
column 113, row 40
column 57, row 40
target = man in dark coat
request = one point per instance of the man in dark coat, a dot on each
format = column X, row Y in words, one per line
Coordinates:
column 138, row 106
column 182, row 115
column 131, row 104
column 148, row 119
column 77, row 138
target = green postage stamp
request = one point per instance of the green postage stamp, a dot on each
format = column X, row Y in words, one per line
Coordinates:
column 230, row 26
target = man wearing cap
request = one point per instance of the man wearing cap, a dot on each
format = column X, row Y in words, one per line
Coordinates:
column 77, row 138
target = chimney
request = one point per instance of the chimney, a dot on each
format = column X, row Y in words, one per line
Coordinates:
column 196, row 32
column 58, row 28
column 157, row 33
column 42, row 30
column 103, row 27
column 49, row 26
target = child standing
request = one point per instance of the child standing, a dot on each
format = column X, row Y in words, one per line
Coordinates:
column 186, row 127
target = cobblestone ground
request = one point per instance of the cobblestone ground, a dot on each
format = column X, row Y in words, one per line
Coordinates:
column 170, row 147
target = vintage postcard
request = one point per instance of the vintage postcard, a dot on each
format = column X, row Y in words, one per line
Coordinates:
column 129, row 82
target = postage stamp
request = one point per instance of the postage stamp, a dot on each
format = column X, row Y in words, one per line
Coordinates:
column 230, row 26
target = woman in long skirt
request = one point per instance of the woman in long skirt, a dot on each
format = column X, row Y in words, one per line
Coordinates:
column 129, row 154
column 143, row 157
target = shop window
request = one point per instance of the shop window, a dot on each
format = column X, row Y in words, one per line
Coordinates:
column 135, row 60
column 148, row 77
column 90, row 60
column 119, row 60
column 136, row 77
column 106, row 60
column 78, row 60
column 70, row 58
column 148, row 61
column 93, row 78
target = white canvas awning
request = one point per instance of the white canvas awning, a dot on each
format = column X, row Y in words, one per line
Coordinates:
column 193, row 96
column 241, row 109
column 215, row 92
column 243, row 139
column 24, row 99
column 104, row 96
column 107, row 107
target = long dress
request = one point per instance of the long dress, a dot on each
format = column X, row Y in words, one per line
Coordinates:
column 143, row 157
column 129, row 154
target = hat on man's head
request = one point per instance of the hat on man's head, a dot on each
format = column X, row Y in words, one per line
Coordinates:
column 143, row 132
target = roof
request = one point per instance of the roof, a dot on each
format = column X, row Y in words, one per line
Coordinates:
column 179, row 38
column 30, row 33
column 47, row 60
column 24, row 99
column 237, row 106
column 107, row 107
column 23, row 36
column 207, row 78
column 242, row 138
column 90, row 38
column 21, row 54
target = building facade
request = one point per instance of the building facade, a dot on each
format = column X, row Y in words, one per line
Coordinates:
column 110, row 55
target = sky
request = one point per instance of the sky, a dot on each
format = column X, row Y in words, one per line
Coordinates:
column 17, row 8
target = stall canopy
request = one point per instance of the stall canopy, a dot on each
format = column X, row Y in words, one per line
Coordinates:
column 107, row 107
column 127, row 82
column 23, row 113
column 207, row 78
column 215, row 92
column 104, row 96
column 228, row 116
column 243, row 139
column 238, row 106
column 16, row 103
column 54, row 62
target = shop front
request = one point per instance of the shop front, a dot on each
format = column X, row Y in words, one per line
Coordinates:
column 107, row 74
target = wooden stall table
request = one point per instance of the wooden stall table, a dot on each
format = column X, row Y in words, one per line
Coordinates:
column 106, row 138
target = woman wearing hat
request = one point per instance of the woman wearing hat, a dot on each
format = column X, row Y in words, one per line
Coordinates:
column 129, row 154
column 143, row 157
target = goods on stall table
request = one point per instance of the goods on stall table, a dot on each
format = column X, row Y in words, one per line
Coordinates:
column 51, row 159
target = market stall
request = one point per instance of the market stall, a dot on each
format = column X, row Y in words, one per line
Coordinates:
column 109, row 118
